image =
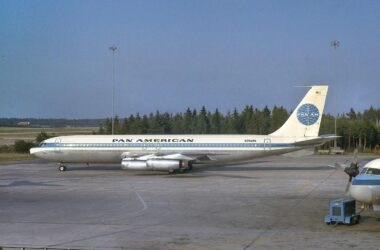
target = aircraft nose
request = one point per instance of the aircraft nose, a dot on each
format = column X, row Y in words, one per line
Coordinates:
column 34, row 151
column 361, row 193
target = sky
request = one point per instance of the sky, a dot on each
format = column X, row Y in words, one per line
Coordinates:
column 55, row 60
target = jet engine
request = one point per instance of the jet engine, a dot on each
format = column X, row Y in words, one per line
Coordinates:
column 152, row 164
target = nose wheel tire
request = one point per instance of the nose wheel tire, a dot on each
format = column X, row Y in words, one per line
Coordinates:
column 62, row 168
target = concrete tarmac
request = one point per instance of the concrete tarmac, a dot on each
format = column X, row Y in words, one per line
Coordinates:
column 270, row 203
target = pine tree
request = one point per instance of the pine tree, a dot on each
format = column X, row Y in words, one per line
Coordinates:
column 216, row 120
column 144, row 124
column 188, row 121
column 203, row 123
column 166, row 123
column 265, row 121
column 177, row 124
column 279, row 117
column 236, row 122
column 246, row 119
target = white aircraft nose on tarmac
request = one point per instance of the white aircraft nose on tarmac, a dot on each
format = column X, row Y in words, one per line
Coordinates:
column 365, row 187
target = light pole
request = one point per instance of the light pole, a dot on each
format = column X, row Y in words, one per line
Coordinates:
column 335, row 44
column 113, row 48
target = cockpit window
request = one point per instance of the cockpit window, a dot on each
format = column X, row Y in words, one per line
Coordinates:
column 42, row 144
column 363, row 170
column 373, row 171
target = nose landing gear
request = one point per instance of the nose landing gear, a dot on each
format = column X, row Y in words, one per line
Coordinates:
column 61, row 167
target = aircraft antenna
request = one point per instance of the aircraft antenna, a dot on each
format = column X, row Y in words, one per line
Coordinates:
column 113, row 48
column 335, row 44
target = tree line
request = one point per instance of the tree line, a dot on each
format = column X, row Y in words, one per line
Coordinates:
column 357, row 129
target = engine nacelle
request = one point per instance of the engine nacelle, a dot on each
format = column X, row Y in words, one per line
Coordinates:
column 133, row 164
column 151, row 164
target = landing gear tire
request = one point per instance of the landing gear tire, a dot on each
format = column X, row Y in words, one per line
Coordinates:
column 171, row 171
column 62, row 168
column 182, row 170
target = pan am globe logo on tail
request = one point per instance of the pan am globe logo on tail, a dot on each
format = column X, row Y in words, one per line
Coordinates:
column 308, row 114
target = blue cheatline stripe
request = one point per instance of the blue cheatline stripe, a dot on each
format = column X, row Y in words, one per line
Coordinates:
column 366, row 182
column 168, row 145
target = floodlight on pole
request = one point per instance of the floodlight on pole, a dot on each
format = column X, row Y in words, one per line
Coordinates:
column 335, row 44
column 113, row 48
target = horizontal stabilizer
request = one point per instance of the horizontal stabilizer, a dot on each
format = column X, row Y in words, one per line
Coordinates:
column 317, row 141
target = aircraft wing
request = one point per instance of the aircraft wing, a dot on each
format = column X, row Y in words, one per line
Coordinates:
column 185, row 156
column 165, row 156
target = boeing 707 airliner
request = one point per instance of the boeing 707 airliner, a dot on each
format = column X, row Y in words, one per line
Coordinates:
column 177, row 153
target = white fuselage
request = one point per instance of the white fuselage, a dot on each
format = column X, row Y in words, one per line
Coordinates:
column 173, row 152
column 113, row 148
column 366, row 186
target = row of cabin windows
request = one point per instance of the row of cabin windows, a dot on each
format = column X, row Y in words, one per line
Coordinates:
column 152, row 145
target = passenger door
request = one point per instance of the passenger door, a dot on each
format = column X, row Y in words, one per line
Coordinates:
column 267, row 144
column 57, row 145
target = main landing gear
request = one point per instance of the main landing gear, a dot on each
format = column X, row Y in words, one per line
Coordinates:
column 182, row 170
column 61, row 167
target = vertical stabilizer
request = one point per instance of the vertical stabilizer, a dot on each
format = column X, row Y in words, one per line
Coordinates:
column 306, row 118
